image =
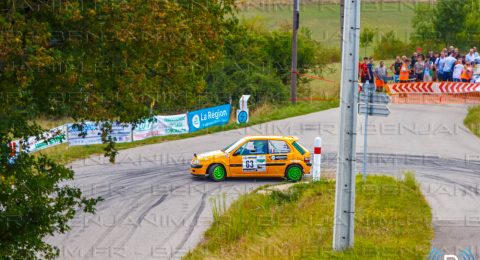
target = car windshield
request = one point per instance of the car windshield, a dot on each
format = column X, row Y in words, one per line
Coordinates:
column 232, row 146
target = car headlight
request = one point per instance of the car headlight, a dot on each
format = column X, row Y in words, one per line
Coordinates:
column 196, row 161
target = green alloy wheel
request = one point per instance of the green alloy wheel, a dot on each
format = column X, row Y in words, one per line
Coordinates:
column 217, row 172
column 294, row 173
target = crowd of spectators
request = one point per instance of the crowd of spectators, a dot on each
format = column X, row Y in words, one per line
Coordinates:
column 447, row 65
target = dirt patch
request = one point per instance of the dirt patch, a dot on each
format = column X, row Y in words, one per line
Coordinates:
column 283, row 187
column 280, row 187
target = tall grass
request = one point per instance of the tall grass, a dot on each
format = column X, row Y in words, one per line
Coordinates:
column 472, row 121
column 219, row 205
column 392, row 220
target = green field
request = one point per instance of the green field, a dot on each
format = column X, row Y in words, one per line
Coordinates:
column 324, row 23
column 324, row 19
column 392, row 221
column 472, row 121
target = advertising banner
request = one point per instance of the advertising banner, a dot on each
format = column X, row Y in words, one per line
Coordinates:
column 53, row 137
column 161, row 126
column 122, row 133
column 207, row 117
column 92, row 133
column 89, row 133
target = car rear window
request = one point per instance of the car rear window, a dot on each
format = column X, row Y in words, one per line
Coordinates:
column 299, row 148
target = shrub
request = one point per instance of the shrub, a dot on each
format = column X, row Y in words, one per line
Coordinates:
column 390, row 46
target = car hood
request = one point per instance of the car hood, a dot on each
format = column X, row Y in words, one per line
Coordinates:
column 210, row 154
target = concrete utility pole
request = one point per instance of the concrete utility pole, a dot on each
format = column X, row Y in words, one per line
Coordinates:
column 296, row 23
column 345, row 186
column 342, row 17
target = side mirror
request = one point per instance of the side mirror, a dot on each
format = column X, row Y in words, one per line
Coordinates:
column 237, row 152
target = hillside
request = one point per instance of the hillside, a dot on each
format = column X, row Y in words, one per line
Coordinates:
column 322, row 19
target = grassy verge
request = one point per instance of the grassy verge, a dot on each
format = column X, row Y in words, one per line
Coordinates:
column 472, row 121
column 65, row 154
column 392, row 220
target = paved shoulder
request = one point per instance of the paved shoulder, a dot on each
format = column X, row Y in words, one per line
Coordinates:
column 154, row 208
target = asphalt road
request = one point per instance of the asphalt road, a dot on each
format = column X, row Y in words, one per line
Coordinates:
column 154, row 209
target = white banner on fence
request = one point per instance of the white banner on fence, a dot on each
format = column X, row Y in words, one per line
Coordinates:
column 53, row 137
column 92, row 131
column 122, row 133
column 161, row 126
column 89, row 133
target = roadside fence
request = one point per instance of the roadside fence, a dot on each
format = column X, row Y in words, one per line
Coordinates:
column 90, row 133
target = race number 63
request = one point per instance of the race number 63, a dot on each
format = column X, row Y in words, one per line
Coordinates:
column 249, row 163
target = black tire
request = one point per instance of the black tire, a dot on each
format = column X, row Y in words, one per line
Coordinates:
column 294, row 173
column 216, row 172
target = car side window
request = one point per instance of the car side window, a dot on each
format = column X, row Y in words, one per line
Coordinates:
column 253, row 147
column 278, row 147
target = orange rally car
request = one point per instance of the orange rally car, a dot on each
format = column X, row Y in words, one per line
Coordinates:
column 255, row 156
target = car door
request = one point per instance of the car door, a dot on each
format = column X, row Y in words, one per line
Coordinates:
column 249, row 160
column 279, row 153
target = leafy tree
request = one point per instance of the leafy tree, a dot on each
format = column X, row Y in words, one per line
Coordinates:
column 257, row 62
column 89, row 60
column 245, row 69
column 366, row 38
column 423, row 22
column 448, row 22
column 470, row 35
column 390, row 46
column 33, row 204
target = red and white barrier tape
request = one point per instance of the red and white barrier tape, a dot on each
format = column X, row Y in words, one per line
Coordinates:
column 433, row 87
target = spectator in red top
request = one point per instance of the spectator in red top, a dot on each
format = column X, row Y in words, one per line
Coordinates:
column 363, row 71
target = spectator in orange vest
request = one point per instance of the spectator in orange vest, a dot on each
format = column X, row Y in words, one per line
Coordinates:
column 405, row 71
column 380, row 75
column 467, row 72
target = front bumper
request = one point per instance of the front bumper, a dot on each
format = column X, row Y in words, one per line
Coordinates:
column 196, row 166
column 197, row 169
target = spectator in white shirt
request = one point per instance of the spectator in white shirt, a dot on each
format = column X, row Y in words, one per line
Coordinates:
column 470, row 57
column 458, row 70
column 477, row 57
